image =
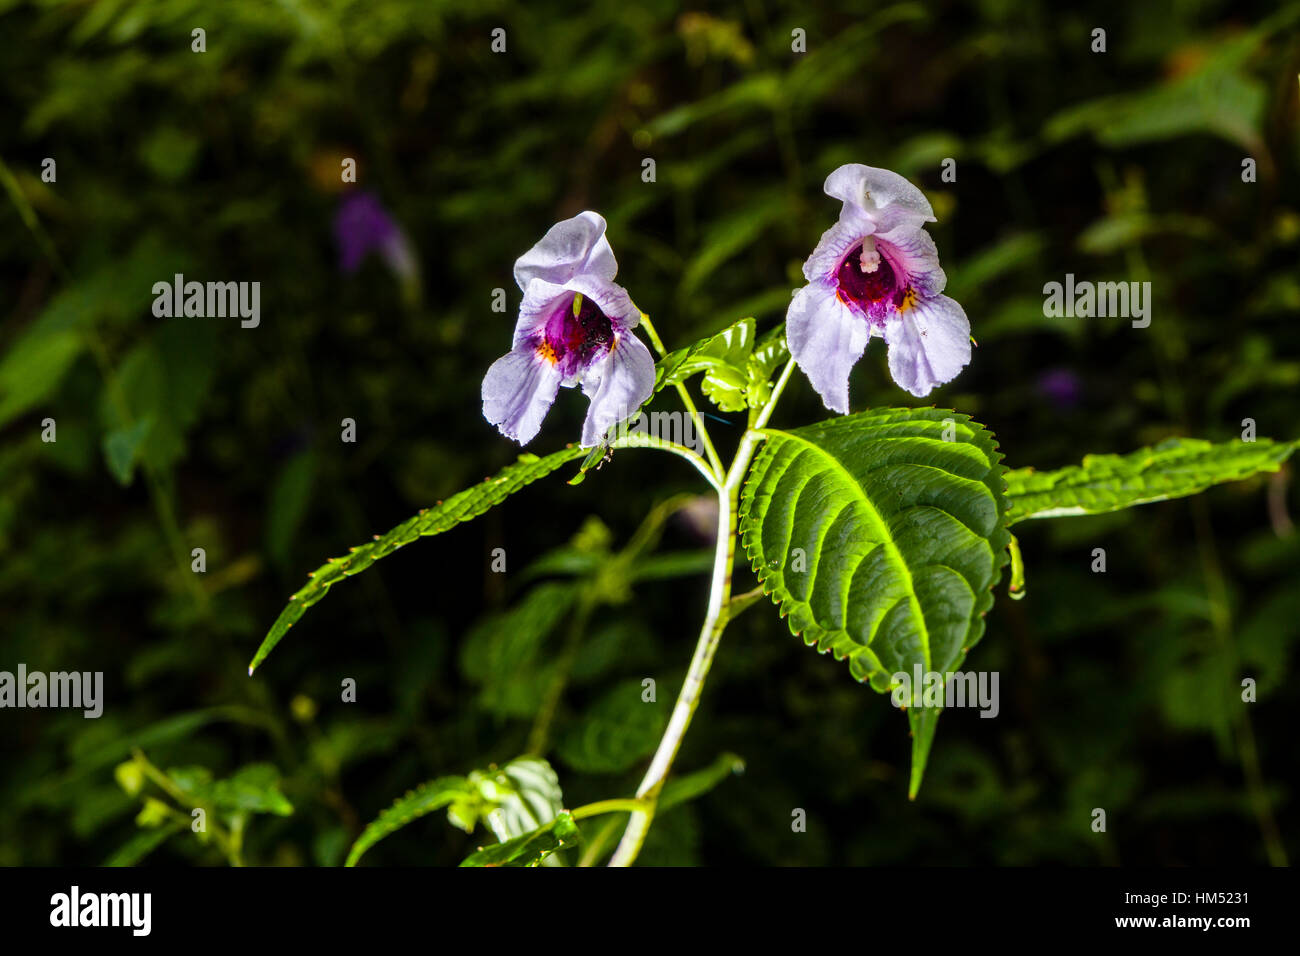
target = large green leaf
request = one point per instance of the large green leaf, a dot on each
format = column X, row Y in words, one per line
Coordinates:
column 1172, row 469
column 881, row 536
column 462, row 506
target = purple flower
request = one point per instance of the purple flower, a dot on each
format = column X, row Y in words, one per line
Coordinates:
column 876, row 272
column 361, row 226
column 575, row 327
column 1061, row 386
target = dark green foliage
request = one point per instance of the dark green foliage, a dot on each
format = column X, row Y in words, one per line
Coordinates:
column 1120, row 690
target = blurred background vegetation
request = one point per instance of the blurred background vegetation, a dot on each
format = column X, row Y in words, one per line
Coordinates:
column 1119, row 691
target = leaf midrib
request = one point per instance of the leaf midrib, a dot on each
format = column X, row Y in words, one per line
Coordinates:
column 887, row 538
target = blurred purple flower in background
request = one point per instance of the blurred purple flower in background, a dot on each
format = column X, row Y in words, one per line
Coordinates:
column 362, row 225
column 1061, row 387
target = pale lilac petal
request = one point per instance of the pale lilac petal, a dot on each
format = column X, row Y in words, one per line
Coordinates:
column 518, row 391
column 914, row 258
column 541, row 299
column 885, row 196
column 571, row 247
column 826, row 340
column 836, row 242
column 928, row 344
column 618, row 386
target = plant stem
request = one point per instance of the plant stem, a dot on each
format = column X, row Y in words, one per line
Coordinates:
column 638, row 440
column 715, row 622
column 696, row 418
column 688, row 698
column 230, row 848
column 698, row 421
column 607, row 806
column 596, row 846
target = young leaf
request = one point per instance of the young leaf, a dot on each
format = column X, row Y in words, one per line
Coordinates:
column 531, row 848
column 696, row 784
column 722, row 357
column 1172, row 469
column 424, row 799
column 518, row 798
column 881, row 536
column 511, row 800
column 767, row 356
column 463, row 506
column 727, row 374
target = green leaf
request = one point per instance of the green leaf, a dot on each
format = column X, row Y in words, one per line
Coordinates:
column 737, row 365
column 630, row 439
column 520, row 797
column 531, row 848
column 423, row 800
column 721, row 357
column 503, row 652
column 732, row 234
column 253, row 789
column 122, row 449
column 154, row 813
column 511, row 801
column 37, row 361
column 129, row 777
column 290, row 496
column 881, row 536
column 463, row 506
column 1172, row 469
column 143, row 843
column 616, row 732
column 34, row 366
column 696, row 784
column 770, row 352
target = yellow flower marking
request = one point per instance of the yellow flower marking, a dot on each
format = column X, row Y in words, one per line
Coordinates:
column 908, row 301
